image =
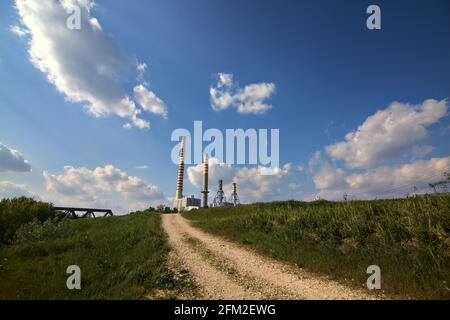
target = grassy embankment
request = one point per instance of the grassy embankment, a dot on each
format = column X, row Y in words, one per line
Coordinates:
column 120, row 258
column 408, row 238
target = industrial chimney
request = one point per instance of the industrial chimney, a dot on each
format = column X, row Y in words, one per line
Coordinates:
column 234, row 196
column 219, row 199
column 179, row 194
column 220, row 192
column 205, row 182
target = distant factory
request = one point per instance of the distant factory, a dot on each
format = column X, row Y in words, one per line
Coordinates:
column 183, row 203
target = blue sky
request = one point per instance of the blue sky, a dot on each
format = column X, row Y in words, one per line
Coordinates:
column 329, row 71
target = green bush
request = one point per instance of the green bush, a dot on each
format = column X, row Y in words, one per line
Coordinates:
column 18, row 211
column 36, row 231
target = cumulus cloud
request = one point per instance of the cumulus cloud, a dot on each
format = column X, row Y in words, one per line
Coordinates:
column 329, row 177
column 253, row 183
column 387, row 134
column 12, row 190
column 254, row 186
column 249, row 100
column 384, row 181
column 12, row 161
column 217, row 171
column 149, row 101
column 85, row 65
column 106, row 186
column 21, row 32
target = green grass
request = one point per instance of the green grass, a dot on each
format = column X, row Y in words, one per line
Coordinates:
column 120, row 258
column 408, row 238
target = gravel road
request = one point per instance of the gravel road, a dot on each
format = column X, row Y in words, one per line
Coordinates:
column 226, row 270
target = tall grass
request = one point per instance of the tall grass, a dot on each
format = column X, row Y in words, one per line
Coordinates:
column 408, row 238
column 119, row 257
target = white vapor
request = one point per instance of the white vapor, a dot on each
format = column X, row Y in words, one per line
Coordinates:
column 85, row 65
column 248, row 100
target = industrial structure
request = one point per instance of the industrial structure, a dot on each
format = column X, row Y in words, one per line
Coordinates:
column 234, row 196
column 220, row 199
column 182, row 203
column 205, row 182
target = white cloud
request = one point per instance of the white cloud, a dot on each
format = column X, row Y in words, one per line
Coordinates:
column 384, row 181
column 254, row 186
column 217, row 171
column 248, row 100
column 13, row 190
column 387, row 134
column 315, row 160
column 149, row 101
column 127, row 126
column 21, row 32
column 329, row 177
column 106, row 186
column 12, row 161
column 142, row 167
column 141, row 69
column 85, row 65
column 251, row 183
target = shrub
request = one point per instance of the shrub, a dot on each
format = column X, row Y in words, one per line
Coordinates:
column 18, row 211
column 36, row 231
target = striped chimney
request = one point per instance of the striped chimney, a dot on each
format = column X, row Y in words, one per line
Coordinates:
column 205, row 182
column 179, row 194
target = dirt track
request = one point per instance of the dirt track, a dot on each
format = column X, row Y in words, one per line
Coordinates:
column 225, row 270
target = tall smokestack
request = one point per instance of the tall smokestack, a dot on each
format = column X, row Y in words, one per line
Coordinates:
column 220, row 192
column 234, row 196
column 180, row 176
column 205, row 182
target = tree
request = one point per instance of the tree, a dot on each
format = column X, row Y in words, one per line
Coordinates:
column 18, row 211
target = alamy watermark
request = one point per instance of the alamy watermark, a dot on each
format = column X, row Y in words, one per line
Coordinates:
column 73, row 22
column 374, row 281
column 374, row 20
column 235, row 146
column 74, row 280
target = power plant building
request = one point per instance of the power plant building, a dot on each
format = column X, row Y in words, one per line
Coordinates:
column 182, row 203
column 187, row 203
